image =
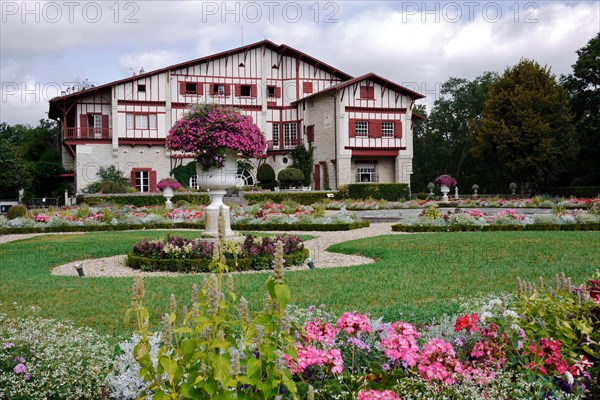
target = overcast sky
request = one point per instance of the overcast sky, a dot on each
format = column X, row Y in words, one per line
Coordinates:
column 48, row 46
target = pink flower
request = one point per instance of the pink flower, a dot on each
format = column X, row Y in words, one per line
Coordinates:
column 309, row 355
column 353, row 323
column 438, row 362
column 401, row 344
column 20, row 368
column 319, row 331
column 9, row 345
column 367, row 394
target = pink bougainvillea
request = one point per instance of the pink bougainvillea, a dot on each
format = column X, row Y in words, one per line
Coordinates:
column 208, row 129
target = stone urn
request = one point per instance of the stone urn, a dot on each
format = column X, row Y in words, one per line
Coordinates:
column 168, row 194
column 445, row 190
column 217, row 181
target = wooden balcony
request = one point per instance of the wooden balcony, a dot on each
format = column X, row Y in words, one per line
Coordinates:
column 377, row 143
column 87, row 133
column 283, row 145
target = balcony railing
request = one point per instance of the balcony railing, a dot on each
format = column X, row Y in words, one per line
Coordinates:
column 87, row 133
column 389, row 142
column 287, row 144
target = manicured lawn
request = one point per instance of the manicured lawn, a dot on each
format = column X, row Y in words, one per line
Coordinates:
column 420, row 274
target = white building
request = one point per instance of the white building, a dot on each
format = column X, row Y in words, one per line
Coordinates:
column 361, row 128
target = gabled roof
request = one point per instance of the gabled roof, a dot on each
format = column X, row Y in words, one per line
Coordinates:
column 371, row 77
column 281, row 49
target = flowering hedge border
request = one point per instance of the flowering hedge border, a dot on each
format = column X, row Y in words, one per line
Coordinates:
column 490, row 228
column 201, row 265
column 187, row 225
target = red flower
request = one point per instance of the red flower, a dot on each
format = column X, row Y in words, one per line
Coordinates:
column 469, row 323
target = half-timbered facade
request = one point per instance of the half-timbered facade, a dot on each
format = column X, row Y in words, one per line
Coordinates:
column 361, row 128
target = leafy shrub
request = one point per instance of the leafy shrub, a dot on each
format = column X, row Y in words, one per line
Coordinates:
column 110, row 178
column 182, row 204
column 111, row 187
column 16, row 211
column 183, row 173
column 144, row 200
column 385, row 191
column 290, row 176
column 47, row 359
column 265, row 174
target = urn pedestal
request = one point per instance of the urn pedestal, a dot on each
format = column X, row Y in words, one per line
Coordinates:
column 217, row 181
column 445, row 190
column 168, row 194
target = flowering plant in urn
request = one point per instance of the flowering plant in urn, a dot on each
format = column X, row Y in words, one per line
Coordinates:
column 168, row 183
column 207, row 130
column 446, row 180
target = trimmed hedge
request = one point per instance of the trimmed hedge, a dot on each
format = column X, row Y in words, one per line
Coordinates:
column 141, row 200
column 495, row 228
column 201, row 265
column 384, row 191
column 576, row 191
column 186, row 225
column 304, row 198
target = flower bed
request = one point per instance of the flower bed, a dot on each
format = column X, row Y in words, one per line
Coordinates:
column 531, row 345
column 432, row 219
column 183, row 255
column 479, row 202
column 266, row 216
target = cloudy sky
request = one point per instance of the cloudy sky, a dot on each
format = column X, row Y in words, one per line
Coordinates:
column 49, row 46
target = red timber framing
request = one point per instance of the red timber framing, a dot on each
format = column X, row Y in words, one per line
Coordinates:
column 374, row 128
column 317, row 177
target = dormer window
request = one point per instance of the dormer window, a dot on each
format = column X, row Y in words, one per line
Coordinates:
column 141, row 87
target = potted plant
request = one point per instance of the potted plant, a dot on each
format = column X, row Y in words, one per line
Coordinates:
column 215, row 134
column 445, row 181
column 168, row 186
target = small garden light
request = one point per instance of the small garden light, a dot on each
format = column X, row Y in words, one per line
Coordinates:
column 79, row 268
column 310, row 263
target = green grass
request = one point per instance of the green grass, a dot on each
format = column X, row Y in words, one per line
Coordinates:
column 422, row 274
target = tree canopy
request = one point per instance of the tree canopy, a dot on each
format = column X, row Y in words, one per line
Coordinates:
column 526, row 131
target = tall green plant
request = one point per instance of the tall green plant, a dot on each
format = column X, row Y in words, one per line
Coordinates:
column 216, row 349
column 303, row 159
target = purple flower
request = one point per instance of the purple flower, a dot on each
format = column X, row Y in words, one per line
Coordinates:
column 26, row 377
column 9, row 345
column 20, row 368
column 386, row 367
column 20, row 359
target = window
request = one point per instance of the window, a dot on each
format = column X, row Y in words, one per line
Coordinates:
column 141, row 87
column 244, row 178
column 271, row 91
column 275, row 133
column 290, row 134
column 387, row 129
column 362, row 128
column 191, row 88
column 245, row 90
column 141, row 121
column 97, row 125
column 218, row 90
column 142, row 181
column 366, row 172
column 194, row 182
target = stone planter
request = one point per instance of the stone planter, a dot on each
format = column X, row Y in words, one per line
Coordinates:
column 168, row 194
column 445, row 190
column 217, row 181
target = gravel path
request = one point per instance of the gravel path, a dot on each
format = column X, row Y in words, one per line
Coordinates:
column 114, row 266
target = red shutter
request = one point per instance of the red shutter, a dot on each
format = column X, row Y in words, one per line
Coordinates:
column 397, row 129
column 317, row 177
column 375, row 129
column 227, row 90
column 132, row 178
column 363, row 92
column 370, row 92
column 238, row 90
column 105, row 130
column 310, row 133
column 152, row 180
column 83, row 125
column 181, row 87
column 307, row 87
column 200, row 88
column 352, row 128
column 253, row 91
column 278, row 92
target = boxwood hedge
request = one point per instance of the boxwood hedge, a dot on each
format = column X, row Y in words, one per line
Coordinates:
column 489, row 228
